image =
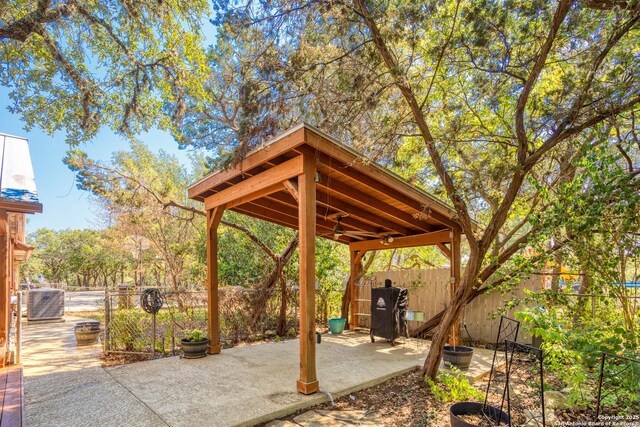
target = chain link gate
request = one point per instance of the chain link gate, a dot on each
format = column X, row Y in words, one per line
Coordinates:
column 132, row 330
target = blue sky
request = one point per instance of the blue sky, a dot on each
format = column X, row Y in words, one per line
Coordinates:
column 64, row 205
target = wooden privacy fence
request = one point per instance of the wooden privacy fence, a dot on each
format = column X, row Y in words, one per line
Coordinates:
column 429, row 292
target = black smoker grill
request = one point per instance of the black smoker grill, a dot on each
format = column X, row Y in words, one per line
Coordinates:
column 388, row 312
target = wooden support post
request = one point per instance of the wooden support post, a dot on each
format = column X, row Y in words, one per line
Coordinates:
column 213, row 312
column 454, row 336
column 308, row 382
column 353, row 273
column 5, row 279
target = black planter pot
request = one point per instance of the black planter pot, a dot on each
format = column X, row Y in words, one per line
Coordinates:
column 459, row 356
column 498, row 418
column 194, row 350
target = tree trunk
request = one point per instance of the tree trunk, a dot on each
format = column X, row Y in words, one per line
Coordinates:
column 463, row 294
column 282, row 320
column 432, row 362
column 265, row 289
column 557, row 269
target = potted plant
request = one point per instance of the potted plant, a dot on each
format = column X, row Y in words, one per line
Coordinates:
column 458, row 356
column 87, row 332
column 194, row 344
column 452, row 386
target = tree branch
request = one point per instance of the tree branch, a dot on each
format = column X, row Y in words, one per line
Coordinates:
column 84, row 85
column 32, row 22
column 558, row 18
column 404, row 87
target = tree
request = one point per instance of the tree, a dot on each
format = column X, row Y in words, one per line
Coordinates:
column 78, row 66
column 83, row 258
column 138, row 193
column 496, row 93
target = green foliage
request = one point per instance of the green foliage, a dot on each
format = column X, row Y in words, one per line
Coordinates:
column 78, row 258
column 573, row 354
column 82, row 66
column 452, row 387
column 129, row 330
column 131, row 190
column 194, row 335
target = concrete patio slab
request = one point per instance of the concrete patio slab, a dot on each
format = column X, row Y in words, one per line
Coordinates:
column 51, row 347
column 253, row 384
column 241, row 386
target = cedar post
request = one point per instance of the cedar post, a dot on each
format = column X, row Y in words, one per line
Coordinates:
column 353, row 271
column 454, row 336
column 213, row 313
column 308, row 382
column 4, row 286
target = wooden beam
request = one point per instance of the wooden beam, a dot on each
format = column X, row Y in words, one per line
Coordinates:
column 337, row 153
column 292, row 188
column 359, row 213
column 256, row 195
column 20, row 207
column 351, row 222
column 259, row 212
column 444, row 249
column 426, row 239
column 270, row 151
column 454, row 337
column 421, row 207
column 252, row 186
column 276, row 209
column 308, row 382
column 345, row 191
column 372, row 222
column 213, row 319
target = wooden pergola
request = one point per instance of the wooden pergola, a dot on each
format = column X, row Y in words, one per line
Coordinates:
column 306, row 180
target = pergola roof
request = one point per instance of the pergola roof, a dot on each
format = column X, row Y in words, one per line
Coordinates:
column 367, row 197
column 306, row 180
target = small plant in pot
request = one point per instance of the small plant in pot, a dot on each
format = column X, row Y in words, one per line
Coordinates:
column 194, row 344
column 454, row 387
column 458, row 355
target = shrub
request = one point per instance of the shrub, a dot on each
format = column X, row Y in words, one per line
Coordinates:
column 452, row 387
column 572, row 354
column 194, row 335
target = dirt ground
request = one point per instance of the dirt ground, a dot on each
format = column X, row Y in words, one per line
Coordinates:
column 401, row 401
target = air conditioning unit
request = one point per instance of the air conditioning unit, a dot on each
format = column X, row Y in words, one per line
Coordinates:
column 45, row 304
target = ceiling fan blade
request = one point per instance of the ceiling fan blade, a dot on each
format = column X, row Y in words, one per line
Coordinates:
column 361, row 233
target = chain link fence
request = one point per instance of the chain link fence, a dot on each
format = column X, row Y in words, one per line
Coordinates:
column 130, row 329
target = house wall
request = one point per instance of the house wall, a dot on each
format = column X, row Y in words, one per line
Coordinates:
column 429, row 293
column 12, row 229
column 6, row 275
